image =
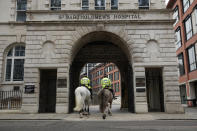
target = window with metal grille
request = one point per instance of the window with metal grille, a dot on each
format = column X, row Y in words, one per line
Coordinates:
column 85, row 4
column 188, row 27
column 143, row 4
column 178, row 38
column 114, row 4
column 192, row 58
column 21, row 10
column 181, row 64
column 55, row 4
column 15, row 64
column 99, row 4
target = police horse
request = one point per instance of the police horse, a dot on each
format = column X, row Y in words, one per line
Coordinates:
column 105, row 102
column 82, row 100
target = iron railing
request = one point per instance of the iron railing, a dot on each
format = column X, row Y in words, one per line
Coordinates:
column 10, row 100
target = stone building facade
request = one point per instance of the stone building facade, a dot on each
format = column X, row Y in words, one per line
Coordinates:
column 59, row 41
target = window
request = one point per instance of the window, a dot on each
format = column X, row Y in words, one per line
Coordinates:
column 116, row 76
column 186, row 4
column 183, row 94
column 111, row 76
column 99, row 4
column 114, row 4
column 116, row 86
column 176, row 15
column 188, row 28
column 21, row 10
column 105, row 70
column 110, row 68
column 15, row 64
column 85, row 4
column 181, row 64
column 196, row 15
column 55, row 4
column 192, row 58
column 100, row 72
column 178, row 38
column 143, row 4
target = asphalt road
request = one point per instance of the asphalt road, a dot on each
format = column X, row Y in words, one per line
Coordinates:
column 62, row 125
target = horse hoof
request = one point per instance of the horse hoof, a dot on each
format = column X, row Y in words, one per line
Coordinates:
column 104, row 116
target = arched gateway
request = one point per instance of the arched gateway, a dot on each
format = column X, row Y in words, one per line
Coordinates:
column 101, row 47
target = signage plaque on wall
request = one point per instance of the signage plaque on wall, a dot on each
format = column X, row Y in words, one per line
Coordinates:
column 29, row 88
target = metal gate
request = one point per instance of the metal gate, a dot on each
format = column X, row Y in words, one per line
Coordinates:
column 10, row 99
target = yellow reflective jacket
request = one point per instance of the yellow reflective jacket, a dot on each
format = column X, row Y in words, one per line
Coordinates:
column 106, row 82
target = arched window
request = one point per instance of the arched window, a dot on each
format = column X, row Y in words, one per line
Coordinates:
column 15, row 63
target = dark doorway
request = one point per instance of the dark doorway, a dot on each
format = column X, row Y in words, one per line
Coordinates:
column 47, row 101
column 154, row 86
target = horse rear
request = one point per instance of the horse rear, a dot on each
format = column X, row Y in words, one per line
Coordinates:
column 82, row 100
column 105, row 101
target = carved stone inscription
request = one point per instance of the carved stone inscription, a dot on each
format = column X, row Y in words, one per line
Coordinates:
column 101, row 16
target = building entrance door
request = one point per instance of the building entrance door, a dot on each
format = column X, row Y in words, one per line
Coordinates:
column 47, row 101
column 154, row 86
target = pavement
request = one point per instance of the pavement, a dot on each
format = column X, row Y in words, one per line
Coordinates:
column 117, row 115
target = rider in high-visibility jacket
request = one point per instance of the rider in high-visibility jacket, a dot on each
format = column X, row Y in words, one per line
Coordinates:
column 106, row 83
column 85, row 81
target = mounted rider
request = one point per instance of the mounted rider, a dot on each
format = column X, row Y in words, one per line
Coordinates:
column 106, row 84
column 85, row 81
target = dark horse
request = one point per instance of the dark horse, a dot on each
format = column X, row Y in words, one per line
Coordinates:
column 105, row 101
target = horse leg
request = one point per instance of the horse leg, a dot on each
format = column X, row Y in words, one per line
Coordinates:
column 104, row 115
column 105, row 112
column 81, row 113
column 109, row 110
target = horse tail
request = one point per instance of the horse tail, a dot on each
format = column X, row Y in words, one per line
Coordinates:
column 103, row 101
column 78, row 101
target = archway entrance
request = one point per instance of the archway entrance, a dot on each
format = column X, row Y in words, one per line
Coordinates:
column 103, row 50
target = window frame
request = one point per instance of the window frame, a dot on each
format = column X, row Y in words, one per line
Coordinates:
column 117, row 76
column 114, row 7
column 177, row 16
column 195, row 61
column 99, row 7
column 195, row 13
column 180, row 41
column 188, row 32
column 13, row 58
column 55, row 8
column 144, row 7
column 184, row 5
column 86, row 7
column 21, row 11
column 181, row 72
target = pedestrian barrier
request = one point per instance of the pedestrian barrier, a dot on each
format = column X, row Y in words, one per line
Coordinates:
column 10, row 100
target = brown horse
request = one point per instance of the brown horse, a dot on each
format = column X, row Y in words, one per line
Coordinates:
column 105, row 101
